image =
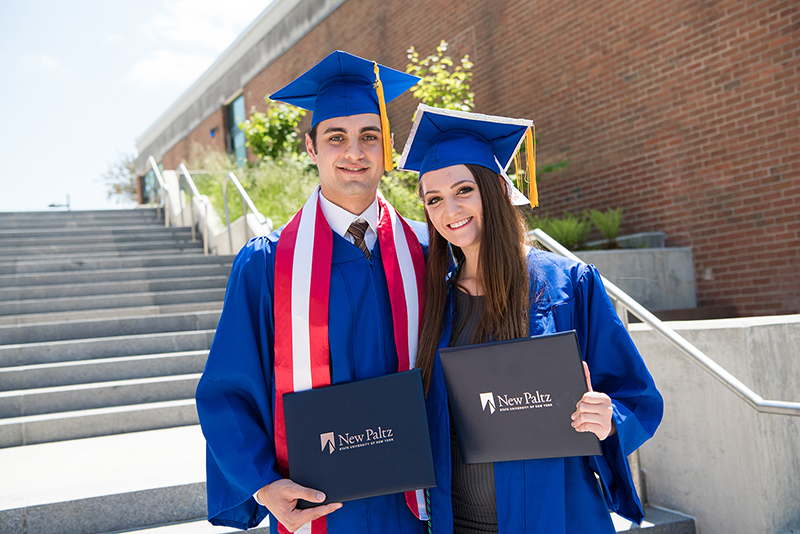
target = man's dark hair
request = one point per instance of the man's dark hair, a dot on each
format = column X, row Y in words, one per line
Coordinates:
column 313, row 134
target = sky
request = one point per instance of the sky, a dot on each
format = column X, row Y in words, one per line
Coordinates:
column 81, row 80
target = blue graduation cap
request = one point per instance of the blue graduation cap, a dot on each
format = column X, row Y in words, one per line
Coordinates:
column 441, row 138
column 342, row 85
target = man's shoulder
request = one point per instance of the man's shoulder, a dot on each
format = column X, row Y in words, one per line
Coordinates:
column 258, row 252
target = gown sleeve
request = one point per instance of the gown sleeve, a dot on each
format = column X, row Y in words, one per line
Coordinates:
column 617, row 370
column 234, row 395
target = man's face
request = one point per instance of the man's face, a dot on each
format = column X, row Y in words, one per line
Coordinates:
column 349, row 156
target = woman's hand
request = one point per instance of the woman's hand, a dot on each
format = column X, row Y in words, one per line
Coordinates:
column 594, row 412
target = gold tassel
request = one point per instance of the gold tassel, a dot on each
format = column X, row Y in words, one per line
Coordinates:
column 385, row 132
column 530, row 148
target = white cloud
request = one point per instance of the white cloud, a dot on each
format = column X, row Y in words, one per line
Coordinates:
column 113, row 37
column 48, row 62
column 208, row 23
column 189, row 36
column 165, row 67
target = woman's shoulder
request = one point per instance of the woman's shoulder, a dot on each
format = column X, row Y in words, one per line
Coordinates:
column 554, row 278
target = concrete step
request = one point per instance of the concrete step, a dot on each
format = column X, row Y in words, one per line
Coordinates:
column 41, row 401
column 164, row 259
column 85, row 222
column 104, row 484
column 117, row 231
column 52, row 427
column 77, row 257
column 108, row 327
column 90, row 238
column 107, row 275
column 89, row 248
column 94, row 303
column 84, row 315
column 657, row 520
column 200, row 526
column 145, row 212
column 110, row 347
column 682, row 525
column 48, row 375
column 59, row 219
column 111, row 288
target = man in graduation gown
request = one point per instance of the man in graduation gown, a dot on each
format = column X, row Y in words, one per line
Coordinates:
column 332, row 297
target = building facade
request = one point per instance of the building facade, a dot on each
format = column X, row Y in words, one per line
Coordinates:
column 682, row 112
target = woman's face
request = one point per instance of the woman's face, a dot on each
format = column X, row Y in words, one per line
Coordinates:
column 453, row 202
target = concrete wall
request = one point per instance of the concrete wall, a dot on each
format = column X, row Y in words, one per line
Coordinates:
column 714, row 457
column 657, row 278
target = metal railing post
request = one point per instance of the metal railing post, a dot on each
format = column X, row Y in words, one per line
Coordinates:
column 246, row 203
column 183, row 172
column 162, row 190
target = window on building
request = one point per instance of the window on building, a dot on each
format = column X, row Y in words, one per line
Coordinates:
column 236, row 140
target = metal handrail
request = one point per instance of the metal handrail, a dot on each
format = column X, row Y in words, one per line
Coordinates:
column 246, row 203
column 183, row 172
column 163, row 192
column 624, row 301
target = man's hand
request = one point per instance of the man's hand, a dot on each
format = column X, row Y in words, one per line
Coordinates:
column 594, row 412
column 281, row 496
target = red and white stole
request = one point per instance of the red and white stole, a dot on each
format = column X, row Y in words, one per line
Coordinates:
column 302, row 291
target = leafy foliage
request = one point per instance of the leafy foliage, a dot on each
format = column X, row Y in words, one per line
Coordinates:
column 571, row 231
column 120, row 179
column 443, row 83
column 274, row 135
column 607, row 223
column 402, row 195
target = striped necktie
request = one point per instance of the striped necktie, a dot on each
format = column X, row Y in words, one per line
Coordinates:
column 357, row 230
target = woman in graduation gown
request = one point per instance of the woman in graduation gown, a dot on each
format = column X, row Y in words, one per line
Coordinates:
column 481, row 289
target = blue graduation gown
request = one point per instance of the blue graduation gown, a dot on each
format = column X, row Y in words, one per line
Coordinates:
column 235, row 396
column 561, row 495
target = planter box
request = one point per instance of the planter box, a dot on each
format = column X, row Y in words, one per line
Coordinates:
column 658, row 278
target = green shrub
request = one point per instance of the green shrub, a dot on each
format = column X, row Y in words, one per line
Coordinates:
column 571, row 231
column 608, row 224
column 274, row 135
column 399, row 188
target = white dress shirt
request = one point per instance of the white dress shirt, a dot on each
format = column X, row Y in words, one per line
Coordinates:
column 340, row 220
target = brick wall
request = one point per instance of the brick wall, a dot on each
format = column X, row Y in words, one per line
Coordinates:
column 685, row 113
column 199, row 141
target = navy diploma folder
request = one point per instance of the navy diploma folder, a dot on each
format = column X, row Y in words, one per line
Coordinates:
column 360, row 439
column 512, row 400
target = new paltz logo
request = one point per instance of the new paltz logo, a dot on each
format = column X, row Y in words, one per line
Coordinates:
column 508, row 403
column 369, row 437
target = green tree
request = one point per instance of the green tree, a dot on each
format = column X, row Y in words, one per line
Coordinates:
column 443, row 84
column 274, row 134
column 120, row 179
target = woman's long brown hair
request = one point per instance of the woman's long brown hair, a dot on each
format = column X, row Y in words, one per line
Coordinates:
column 502, row 273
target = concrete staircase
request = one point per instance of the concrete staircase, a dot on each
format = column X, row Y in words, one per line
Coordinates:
column 106, row 319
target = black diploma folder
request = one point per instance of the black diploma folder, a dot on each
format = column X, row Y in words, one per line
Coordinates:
column 512, row 400
column 360, row 439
